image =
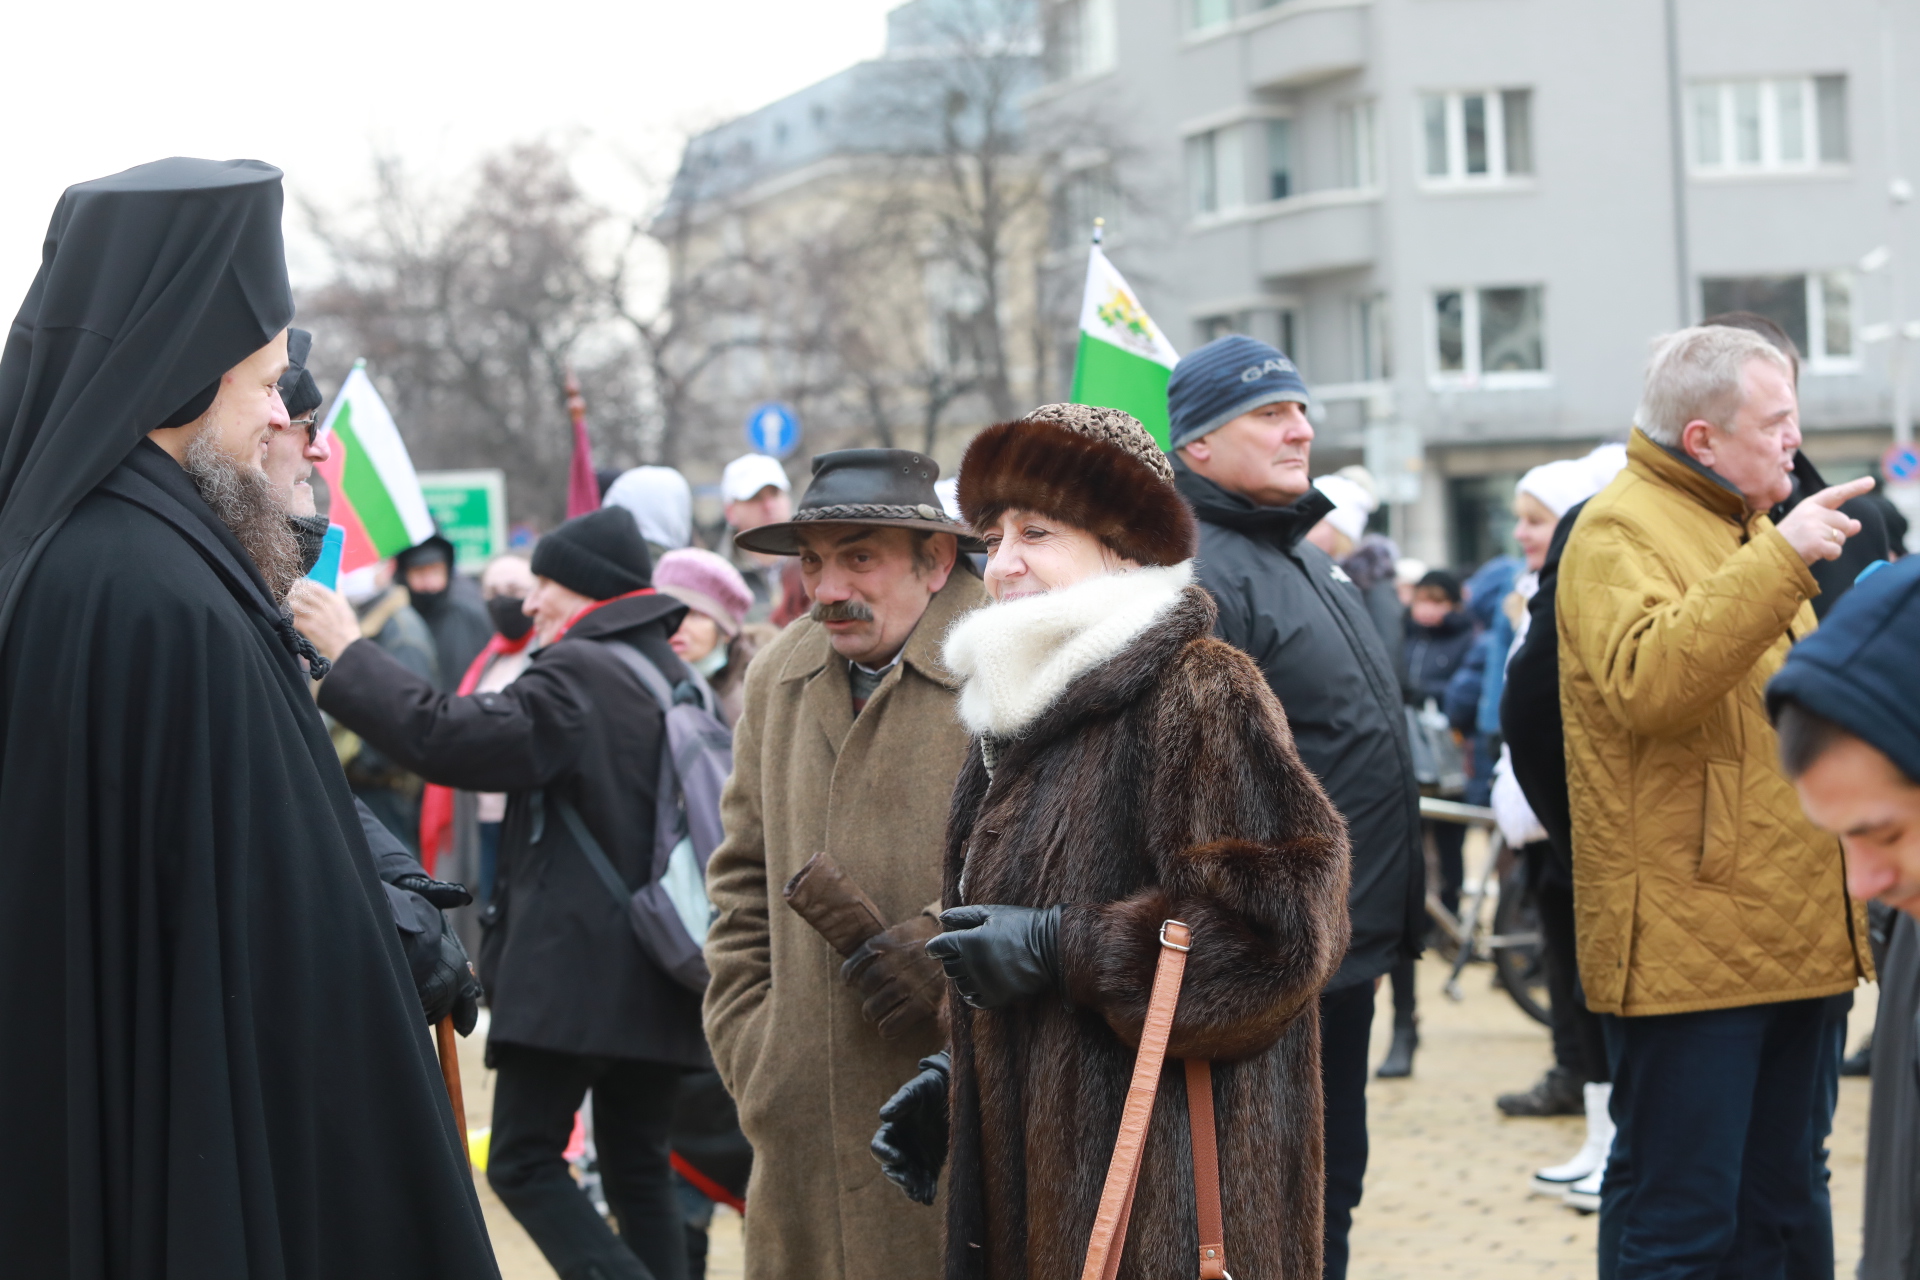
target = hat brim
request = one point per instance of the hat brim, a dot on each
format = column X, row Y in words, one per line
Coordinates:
column 783, row 539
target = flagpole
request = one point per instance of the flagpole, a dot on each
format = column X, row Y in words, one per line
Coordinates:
column 1099, row 230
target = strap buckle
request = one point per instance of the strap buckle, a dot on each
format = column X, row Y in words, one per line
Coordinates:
column 1175, row 946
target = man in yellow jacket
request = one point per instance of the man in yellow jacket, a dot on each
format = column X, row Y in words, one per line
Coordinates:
column 1711, row 915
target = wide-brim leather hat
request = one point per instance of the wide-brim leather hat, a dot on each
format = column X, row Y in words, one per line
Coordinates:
column 891, row 488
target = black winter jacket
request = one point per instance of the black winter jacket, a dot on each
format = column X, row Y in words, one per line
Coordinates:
column 561, row 966
column 1300, row 618
column 1433, row 654
column 1530, row 722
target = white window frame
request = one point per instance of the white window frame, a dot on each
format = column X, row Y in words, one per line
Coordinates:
column 1770, row 161
column 1819, row 359
column 1247, row 127
column 1456, row 178
column 1470, row 376
column 1357, row 126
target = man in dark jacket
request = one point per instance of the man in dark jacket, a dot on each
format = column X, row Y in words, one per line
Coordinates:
column 1241, row 441
column 449, row 603
column 576, row 1004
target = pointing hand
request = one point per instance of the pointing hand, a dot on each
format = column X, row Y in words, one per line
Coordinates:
column 1816, row 528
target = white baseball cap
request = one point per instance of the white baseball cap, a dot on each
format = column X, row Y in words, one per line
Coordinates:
column 749, row 473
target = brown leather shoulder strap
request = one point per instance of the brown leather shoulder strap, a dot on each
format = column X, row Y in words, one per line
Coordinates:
column 1123, row 1174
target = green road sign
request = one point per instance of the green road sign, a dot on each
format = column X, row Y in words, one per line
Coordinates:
column 471, row 509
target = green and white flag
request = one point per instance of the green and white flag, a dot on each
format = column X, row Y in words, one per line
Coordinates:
column 1124, row 360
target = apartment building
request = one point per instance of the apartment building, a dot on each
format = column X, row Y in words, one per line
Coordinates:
column 1465, row 219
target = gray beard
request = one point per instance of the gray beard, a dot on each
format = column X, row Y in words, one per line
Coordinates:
column 243, row 499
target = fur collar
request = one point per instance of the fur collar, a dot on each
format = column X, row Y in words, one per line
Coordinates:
column 1018, row 658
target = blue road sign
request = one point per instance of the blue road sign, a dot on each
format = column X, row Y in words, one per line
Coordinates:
column 773, row 428
column 1901, row 463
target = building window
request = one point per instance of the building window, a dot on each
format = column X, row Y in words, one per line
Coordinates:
column 1376, row 338
column 1760, row 126
column 1080, row 197
column 1272, row 325
column 1359, row 149
column 1816, row 310
column 1081, row 39
column 1202, row 14
column 1216, row 171
column 1477, row 136
column 1279, row 159
column 1491, row 337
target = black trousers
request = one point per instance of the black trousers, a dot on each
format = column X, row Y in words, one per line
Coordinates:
column 1346, row 1021
column 1579, row 1045
column 535, row 1096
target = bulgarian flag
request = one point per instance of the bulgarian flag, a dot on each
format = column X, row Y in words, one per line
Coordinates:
column 376, row 496
column 1124, row 360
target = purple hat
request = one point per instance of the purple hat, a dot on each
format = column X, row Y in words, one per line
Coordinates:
column 704, row 581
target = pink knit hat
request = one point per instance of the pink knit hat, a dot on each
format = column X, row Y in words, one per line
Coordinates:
column 706, row 582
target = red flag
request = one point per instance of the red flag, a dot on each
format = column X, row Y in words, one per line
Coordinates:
column 583, row 491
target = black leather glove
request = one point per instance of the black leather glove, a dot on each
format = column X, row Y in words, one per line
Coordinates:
column 911, row 1143
column 443, row 894
column 997, row 954
column 452, row 987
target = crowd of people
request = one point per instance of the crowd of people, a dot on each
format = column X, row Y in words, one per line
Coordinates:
column 865, row 867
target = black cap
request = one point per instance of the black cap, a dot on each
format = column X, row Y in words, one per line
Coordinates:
column 890, row 487
column 435, row 548
column 600, row 555
column 298, row 391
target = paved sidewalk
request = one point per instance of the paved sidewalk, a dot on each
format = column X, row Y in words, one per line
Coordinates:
column 1446, row 1190
column 1447, row 1178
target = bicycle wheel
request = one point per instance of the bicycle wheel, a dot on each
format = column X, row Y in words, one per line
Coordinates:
column 1518, row 964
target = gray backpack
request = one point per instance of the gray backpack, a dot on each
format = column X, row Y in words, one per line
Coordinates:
column 670, row 914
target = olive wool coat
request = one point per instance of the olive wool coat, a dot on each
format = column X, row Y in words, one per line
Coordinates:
column 1161, row 782
column 808, row 1071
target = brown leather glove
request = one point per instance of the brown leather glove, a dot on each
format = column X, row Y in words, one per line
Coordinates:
column 903, row 985
column 826, row 898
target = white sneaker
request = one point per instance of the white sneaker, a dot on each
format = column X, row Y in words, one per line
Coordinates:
column 1584, row 1195
column 1592, row 1155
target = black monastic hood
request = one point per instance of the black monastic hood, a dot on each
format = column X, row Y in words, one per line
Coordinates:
column 152, row 283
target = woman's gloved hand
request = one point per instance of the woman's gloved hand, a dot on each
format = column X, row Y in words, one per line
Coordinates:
column 911, row 1143
column 443, row 894
column 998, row 954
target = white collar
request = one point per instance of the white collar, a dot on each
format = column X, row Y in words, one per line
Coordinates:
column 1017, row 658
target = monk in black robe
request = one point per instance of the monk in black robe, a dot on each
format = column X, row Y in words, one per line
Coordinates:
column 213, row 1065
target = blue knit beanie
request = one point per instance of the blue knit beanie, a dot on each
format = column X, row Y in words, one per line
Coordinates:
column 1861, row 669
column 1229, row 376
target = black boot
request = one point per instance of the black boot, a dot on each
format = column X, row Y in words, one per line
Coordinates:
column 1558, row 1093
column 1398, row 1064
column 1860, row 1061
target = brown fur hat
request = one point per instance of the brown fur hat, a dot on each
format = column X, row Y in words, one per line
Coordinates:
column 1096, row 469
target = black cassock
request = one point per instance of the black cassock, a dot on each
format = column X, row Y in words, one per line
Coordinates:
column 212, row 1060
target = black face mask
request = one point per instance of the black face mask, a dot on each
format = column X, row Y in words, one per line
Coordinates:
column 312, row 533
column 507, row 618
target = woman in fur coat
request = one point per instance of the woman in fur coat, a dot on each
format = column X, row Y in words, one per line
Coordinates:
column 1127, row 768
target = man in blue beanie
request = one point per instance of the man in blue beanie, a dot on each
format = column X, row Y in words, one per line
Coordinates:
column 1241, row 441
column 1847, row 708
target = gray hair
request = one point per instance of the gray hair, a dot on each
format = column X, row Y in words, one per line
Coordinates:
column 1697, row 374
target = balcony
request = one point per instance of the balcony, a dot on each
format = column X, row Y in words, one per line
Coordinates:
column 1315, row 233
column 1299, row 42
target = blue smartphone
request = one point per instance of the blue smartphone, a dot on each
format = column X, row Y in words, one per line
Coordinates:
column 326, row 570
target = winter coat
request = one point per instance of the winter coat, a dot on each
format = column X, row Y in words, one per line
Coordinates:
column 1432, row 654
column 1160, row 784
column 1530, row 718
column 1698, row 882
column 1371, row 567
column 458, row 621
column 559, row 960
column 808, row 1071
column 1286, row 605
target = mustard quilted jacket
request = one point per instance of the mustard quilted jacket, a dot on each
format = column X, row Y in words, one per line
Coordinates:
column 1698, row 883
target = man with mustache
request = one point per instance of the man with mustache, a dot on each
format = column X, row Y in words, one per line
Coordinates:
column 214, row 1059
column 823, row 998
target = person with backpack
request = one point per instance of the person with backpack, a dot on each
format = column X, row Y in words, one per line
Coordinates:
column 581, row 997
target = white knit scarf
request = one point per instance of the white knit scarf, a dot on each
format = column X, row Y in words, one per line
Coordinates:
column 1017, row 658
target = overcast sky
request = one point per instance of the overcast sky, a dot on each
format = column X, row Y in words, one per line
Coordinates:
column 95, row 87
